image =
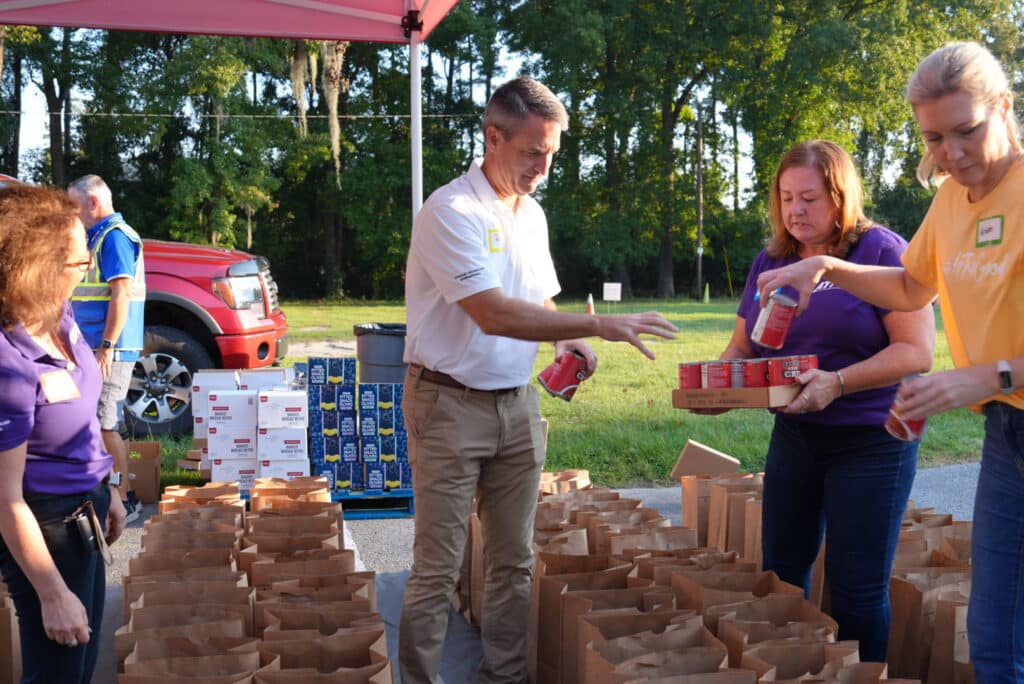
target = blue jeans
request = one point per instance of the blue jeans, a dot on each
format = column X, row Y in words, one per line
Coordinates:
column 995, row 619
column 855, row 482
column 44, row 660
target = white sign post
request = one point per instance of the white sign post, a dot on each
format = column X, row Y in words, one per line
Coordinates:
column 612, row 292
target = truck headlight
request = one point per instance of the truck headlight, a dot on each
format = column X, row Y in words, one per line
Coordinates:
column 240, row 292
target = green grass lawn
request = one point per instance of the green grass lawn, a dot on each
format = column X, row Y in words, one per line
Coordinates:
column 621, row 424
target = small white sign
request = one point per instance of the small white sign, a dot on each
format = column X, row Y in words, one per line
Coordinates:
column 612, row 292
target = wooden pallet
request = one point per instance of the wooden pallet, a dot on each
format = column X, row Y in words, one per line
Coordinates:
column 369, row 504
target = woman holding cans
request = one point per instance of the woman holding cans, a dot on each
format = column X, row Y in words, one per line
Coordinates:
column 54, row 495
column 969, row 251
column 831, row 467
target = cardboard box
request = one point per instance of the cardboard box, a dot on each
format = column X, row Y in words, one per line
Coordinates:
column 240, row 470
column 698, row 459
column 282, row 443
column 284, row 468
column 144, row 471
column 203, row 382
column 745, row 397
column 231, row 408
column 283, row 409
column 232, row 442
column 261, row 378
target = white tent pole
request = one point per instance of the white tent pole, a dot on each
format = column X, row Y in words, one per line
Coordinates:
column 415, row 95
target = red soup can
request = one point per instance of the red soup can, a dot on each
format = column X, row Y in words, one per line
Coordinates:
column 784, row 370
column 716, row 375
column 774, row 320
column 755, row 373
column 563, row 377
column 900, row 427
column 689, row 375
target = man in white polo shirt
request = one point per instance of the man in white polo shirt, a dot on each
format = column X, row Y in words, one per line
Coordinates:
column 479, row 289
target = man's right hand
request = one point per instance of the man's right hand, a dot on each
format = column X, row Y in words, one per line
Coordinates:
column 629, row 327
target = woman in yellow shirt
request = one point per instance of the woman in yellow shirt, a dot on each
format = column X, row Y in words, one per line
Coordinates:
column 969, row 252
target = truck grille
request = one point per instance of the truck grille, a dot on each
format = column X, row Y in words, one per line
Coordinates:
column 272, row 301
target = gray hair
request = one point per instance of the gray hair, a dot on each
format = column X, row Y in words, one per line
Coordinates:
column 954, row 68
column 515, row 100
column 91, row 185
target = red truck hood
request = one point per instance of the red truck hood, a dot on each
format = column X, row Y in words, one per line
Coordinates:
column 206, row 255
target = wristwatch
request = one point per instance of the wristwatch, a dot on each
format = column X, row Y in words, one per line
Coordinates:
column 114, row 479
column 1005, row 377
column 106, row 344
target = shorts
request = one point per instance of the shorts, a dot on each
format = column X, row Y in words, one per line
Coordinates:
column 115, row 389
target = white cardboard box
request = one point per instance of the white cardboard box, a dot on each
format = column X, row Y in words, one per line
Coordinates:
column 282, row 443
column 240, row 470
column 231, row 408
column 285, row 468
column 231, row 442
column 261, row 378
column 203, row 382
column 279, row 408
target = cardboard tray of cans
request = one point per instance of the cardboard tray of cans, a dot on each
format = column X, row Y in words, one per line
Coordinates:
column 735, row 397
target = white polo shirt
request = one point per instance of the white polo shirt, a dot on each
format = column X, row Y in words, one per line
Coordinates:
column 465, row 241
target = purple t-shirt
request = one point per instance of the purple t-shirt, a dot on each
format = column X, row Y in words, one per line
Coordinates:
column 840, row 328
column 53, row 409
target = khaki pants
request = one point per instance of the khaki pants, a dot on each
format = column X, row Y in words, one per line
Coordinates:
column 464, row 443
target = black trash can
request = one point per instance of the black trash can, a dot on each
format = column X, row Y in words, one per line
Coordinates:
column 379, row 349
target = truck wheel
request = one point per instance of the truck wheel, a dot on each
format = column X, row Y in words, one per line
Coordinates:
column 160, row 394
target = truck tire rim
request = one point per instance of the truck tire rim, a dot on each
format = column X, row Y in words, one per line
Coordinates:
column 160, row 388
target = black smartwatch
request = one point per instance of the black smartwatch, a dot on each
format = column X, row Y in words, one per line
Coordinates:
column 106, row 344
column 114, row 479
column 1005, row 377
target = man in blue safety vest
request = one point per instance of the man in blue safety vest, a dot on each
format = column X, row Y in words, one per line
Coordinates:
column 109, row 306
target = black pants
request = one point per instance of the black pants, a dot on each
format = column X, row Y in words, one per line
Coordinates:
column 44, row 660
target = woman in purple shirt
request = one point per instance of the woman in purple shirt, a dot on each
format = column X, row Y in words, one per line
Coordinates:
column 831, row 465
column 50, row 448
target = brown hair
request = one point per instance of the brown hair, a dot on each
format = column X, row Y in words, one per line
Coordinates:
column 515, row 100
column 842, row 184
column 953, row 68
column 34, row 231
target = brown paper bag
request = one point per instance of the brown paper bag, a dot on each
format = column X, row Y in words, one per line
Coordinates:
column 682, row 648
column 950, row 653
column 789, row 660
column 10, row 641
column 213, row 665
column 326, row 622
column 702, row 590
column 752, row 543
column 263, row 608
column 229, row 515
column 238, row 600
column 366, row 579
column 654, row 539
column 182, row 620
column 564, row 481
column 162, row 539
column 913, row 596
column 266, row 572
column 355, row 654
column 773, row 617
column 189, row 647
column 603, row 625
column 165, row 561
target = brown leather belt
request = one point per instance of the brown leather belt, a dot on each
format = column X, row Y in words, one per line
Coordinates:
column 439, row 378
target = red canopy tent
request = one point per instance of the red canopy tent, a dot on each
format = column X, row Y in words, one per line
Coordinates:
column 390, row 21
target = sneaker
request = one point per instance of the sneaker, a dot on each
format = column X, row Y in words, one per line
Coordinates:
column 131, row 509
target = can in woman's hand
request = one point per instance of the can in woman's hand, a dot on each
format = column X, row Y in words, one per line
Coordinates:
column 774, row 320
column 900, row 427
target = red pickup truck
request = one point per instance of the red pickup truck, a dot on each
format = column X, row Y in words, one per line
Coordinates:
column 206, row 307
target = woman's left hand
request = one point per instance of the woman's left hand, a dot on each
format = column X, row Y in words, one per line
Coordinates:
column 820, row 389
column 945, row 391
column 115, row 516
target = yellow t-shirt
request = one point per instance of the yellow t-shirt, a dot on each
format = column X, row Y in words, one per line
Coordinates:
column 972, row 254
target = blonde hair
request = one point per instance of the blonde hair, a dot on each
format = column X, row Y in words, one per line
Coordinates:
column 842, row 183
column 35, row 224
column 959, row 67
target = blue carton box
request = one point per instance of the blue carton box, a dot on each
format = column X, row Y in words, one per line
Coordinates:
column 313, row 398
column 316, row 422
column 406, row 475
column 393, row 475
column 355, row 471
column 316, row 450
column 346, row 398
column 388, row 448
column 332, row 449
column 374, row 477
column 347, row 424
column 326, row 470
column 402, row 446
column 368, row 396
column 328, row 398
column 368, row 424
column 349, row 449
column 341, row 370
column 318, row 367
column 386, row 395
column 346, row 478
column 369, row 450
column 385, row 421
column 330, row 421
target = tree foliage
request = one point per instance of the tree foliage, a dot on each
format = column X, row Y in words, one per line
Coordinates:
column 299, row 150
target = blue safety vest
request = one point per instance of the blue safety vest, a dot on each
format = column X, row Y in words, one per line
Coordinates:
column 91, row 298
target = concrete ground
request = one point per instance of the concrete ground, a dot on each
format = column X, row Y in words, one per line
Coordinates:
column 385, row 545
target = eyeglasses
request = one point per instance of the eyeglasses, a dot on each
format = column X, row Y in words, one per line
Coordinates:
column 82, row 266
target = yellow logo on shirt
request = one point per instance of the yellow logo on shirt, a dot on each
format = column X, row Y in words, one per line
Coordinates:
column 495, row 240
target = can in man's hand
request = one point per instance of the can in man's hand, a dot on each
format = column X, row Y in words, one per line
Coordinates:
column 563, row 377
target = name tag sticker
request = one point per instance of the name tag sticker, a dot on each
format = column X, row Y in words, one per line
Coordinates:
column 990, row 231
column 495, row 240
column 59, row 386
